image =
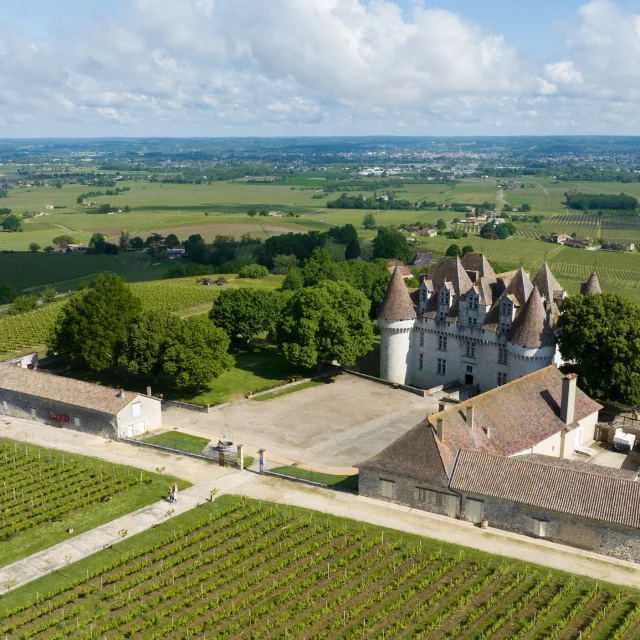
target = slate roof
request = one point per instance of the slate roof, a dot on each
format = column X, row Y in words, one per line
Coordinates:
column 414, row 455
column 422, row 258
column 478, row 262
column 532, row 327
column 520, row 286
column 66, row 390
column 397, row 303
column 578, row 465
column 451, row 270
column 591, row 286
column 587, row 495
column 519, row 414
column 546, row 282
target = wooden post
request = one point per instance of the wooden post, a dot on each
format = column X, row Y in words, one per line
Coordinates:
column 261, row 454
column 240, row 456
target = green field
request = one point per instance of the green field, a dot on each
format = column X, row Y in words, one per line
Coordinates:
column 238, row 568
column 179, row 441
column 45, row 492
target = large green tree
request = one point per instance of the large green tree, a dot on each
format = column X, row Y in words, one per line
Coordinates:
column 600, row 338
column 12, row 223
column 391, row 243
column 325, row 323
column 197, row 354
column 147, row 338
column 283, row 263
column 244, row 313
column 91, row 328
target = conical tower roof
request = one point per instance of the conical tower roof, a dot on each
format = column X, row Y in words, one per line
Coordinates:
column 532, row 328
column 546, row 282
column 520, row 286
column 397, row 303
column 592, row 285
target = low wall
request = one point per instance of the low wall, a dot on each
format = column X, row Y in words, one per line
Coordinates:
column 404, row 387
column 197, row 456
column 290, row 384
column 193, row 407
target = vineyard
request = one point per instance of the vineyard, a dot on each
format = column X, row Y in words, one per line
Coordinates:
column 242, row 569
column 40, row 487
column 21, row 332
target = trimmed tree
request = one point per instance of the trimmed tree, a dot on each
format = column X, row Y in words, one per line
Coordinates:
column 91, row 328
column 244, row 313
column 197, row 354
column 324, row 323
column 353, row 250
column 600, row 336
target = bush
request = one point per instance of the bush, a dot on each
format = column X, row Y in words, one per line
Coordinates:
column 255, row 271
column 23, row 304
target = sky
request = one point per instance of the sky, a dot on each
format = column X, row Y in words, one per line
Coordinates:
column 79, row 68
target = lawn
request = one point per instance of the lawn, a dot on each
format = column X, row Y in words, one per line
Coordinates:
column 336, row 481
column 46, row 492
column 239, row 568
column 179, row 441
column 293, row 389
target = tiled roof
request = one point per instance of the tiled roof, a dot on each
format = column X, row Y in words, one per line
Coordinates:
column 451, row 270
column 532, row 328
column 591, row 286
column 414, row 455
column 546, row 282
column 587, row 495
column 66, row 390
column 422, row 258
column 397, row 303
column 577, row 465
column 518, row 414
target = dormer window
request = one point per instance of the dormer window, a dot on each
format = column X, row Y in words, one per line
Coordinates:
column 444, row 297
column 473, row 302
column 506, row 308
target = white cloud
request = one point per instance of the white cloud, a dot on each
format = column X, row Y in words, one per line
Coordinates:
column 312, row 66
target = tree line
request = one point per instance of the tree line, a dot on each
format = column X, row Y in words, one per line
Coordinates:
column 592, row 201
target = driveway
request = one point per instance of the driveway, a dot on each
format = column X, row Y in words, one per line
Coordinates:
column 330, row 426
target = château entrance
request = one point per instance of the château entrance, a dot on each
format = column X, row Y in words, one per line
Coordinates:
column 468, row 378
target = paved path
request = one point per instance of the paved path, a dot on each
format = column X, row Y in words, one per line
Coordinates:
column 90, row 542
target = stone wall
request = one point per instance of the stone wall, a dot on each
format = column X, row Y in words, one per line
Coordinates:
column 22, row 405
column 617, row 541
column 405, row 492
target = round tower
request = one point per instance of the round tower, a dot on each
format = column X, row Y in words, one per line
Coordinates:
column 396, row 319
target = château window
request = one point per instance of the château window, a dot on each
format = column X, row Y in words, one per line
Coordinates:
column 442, row 343
column 506, row 308
column 472, row 321
column 503, row 355
column 442, row 367
column 502, row 378
column 539, row 527
column 421, row 362
column 429, row 497
column 470, row 350
column 444, row 297
column 387, row 489
column 505, row 326
column 422, row 339
column 473, row 302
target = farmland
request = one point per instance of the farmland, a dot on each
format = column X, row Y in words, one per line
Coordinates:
column 44, row 492
column 246, row 569
column 183, row 295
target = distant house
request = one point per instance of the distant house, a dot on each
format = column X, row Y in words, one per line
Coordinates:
column 404, row 271
column 560, row 238
column 576, row 244
column 176, row 252
column 432, row 233
column 275, row 214
column 48, row 206
column 79, row 248
column 422, row 258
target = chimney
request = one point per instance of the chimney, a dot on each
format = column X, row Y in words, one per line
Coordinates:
column 440, row 429
column 568, row 406
column 149, row 391
column 487, row 430
column 470, row 416
column 121, row 394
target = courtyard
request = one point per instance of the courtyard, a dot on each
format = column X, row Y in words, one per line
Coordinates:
column 330, row 426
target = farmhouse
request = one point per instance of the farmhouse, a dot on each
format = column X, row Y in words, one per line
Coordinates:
column 508, row 456
column 66, row 402
column 422, row 258
column 176, row 252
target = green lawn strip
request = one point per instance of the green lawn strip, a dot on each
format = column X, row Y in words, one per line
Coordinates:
column 342, row 481
column 288, row 390
column 179, row 441
column 154, row 487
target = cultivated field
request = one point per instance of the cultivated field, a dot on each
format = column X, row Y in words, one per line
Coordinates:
column 245, row 569
column 44, row 492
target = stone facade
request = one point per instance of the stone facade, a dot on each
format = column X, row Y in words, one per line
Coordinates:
column 406, row 492
column 22, row 405
column 612, row 540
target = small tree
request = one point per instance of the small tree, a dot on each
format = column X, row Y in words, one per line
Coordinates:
column 441, row 225
column 137, row 243
column 283, row 263
column 34, row 247
column 7, row 293
column 49, row 294
column 369, row 221
column 12, row 223
column 525, row 208
column 353, row 250
column 172, row 240
column 391, row 243
column 466, row 249
column 254, row 271
column 252, row 213
column 62, row 241
column 23, row 304
column 453, row 250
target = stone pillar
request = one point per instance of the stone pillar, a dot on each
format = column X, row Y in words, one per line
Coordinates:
column 240, row 457
column 261, row 454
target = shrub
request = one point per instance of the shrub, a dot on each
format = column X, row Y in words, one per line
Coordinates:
column 254, row 271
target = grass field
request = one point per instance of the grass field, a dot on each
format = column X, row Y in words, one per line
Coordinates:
column 179, row 441
column 45, row 491
column 242, row 569
column 331, row 480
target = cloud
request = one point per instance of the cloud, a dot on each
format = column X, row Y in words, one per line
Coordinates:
column 234, row 67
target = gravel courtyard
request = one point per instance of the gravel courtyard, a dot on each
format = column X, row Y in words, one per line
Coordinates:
column 331, row 426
